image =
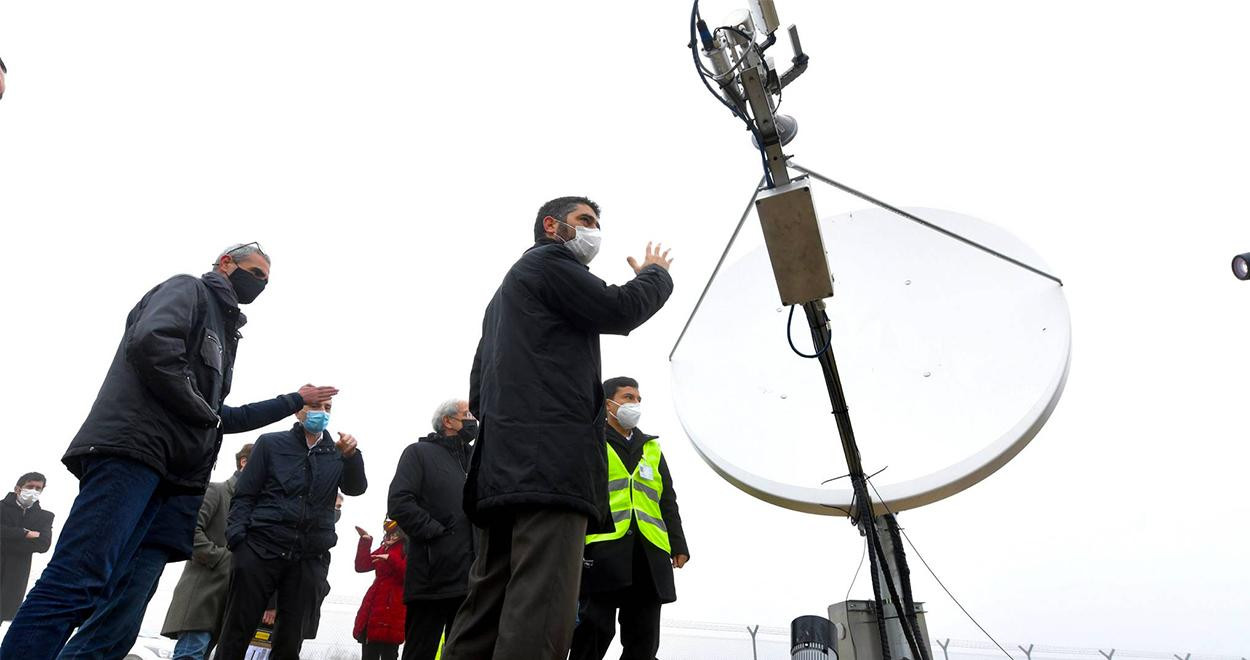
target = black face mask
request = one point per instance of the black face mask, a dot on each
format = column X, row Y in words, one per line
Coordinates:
column 246, row 285
column 338, row 514
column 468, row 432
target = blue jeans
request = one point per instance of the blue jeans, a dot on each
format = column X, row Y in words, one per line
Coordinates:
column 116, row 504
column 193, row 645
column 111, row 630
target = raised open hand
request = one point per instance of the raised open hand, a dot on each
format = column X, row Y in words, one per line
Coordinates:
column 654, row 256
column 315, row 395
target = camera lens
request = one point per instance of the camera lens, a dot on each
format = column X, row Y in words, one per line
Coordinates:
column 1241, row 266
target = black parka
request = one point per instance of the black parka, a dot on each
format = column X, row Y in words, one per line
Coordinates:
column 536, row 384
column 612, row 565
column 161, row 401
column 283, row 502
column 16, row 549
column 426, row 499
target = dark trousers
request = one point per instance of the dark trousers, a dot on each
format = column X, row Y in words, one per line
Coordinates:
column 253, row 580
column 640, row 624
column 378, row 651
column 425, row 623
column 522, row 600
column 111, row 630
column 116, row 503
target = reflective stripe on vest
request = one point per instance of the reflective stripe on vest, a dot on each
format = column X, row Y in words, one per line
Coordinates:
column 632, row 496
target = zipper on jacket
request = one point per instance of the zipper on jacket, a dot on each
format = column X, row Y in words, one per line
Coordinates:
column 303, row 500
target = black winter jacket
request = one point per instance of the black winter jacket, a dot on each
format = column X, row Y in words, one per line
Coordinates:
column 536, row 384
column 610, row 565
column 161, row 401
column 426, row 499
column 16, row 549
column 173, row 529
column 283, row 503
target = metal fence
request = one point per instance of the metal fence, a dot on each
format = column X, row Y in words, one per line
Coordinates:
column 702, row 640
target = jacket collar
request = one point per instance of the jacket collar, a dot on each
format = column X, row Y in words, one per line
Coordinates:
column 232, row 482
column 11, row 498
column 639, row 438
column 297, row 432
column 561, row 252
column 452, row 443
column 226, row 297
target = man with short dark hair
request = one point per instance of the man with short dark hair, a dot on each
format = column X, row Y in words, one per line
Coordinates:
column 630, row 568
column 195, row 612
column 281, row 529
column 144, row 455
column 427, row 500
column 538, row 475
column 25, row 529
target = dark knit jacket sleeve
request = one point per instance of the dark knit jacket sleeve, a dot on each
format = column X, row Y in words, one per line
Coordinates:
column 401, row 501
column 246, row 490
column 353, row 482
column 671, row 514
column 260, row 414
column 595, row 306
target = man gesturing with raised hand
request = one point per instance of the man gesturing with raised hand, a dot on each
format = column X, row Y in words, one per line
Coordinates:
column 538, row 477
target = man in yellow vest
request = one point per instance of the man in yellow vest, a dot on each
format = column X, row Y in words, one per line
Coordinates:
column 631, row 567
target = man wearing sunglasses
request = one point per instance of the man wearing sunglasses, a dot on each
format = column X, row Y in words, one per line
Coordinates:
column 144, row 456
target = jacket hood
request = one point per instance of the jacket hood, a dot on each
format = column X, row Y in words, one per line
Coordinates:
column 221, row 287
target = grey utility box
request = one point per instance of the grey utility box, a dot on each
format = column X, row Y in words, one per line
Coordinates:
column 857, row 636
column 795, row 246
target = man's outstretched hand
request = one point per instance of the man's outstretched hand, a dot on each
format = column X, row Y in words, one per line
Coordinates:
column 314, row 395
column 654, row 256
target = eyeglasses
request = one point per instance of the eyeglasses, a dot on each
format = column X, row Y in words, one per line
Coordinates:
column 256, row 272
column 253, row 244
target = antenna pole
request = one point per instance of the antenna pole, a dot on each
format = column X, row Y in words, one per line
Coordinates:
column 754, row 77
column 896, row 617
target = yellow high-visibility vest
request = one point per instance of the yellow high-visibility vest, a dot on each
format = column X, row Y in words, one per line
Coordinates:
column 636, row 496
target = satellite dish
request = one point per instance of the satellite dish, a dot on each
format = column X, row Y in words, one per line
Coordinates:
column 952, row 360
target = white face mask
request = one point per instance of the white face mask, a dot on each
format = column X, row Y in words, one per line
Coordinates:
column 628, row 414
column 585, row 245
column 28, row 496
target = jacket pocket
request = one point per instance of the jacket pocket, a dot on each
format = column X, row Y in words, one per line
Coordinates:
column 212, row 353
column 213, row 356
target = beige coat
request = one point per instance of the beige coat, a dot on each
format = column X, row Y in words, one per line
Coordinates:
column 200, row 598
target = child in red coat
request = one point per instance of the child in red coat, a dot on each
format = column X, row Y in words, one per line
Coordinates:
column 380, row 621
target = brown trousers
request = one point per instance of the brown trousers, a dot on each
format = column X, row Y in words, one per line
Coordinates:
column 523, row 585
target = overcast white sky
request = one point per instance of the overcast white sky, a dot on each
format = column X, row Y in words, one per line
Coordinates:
column 390, row 156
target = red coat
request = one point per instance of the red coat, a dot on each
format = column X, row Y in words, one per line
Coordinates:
column 381, row 615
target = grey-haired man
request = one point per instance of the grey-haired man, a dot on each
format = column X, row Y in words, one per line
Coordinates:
column 149, row 442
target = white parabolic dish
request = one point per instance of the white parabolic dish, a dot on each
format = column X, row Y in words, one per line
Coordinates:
column 951, row 359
